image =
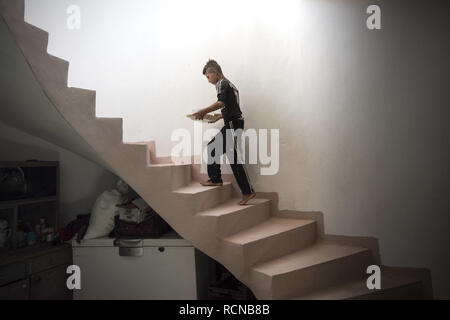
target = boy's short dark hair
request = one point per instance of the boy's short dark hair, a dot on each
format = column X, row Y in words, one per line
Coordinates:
column 212, row 64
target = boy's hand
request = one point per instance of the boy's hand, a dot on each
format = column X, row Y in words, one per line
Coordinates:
column 199, row 114
column 216, row 118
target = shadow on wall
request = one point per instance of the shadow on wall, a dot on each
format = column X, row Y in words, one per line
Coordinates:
column 14, row 151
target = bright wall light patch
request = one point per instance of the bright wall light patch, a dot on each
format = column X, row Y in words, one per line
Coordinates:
column 192, row 22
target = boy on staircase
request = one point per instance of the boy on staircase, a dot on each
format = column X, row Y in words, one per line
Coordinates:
column 228, row 103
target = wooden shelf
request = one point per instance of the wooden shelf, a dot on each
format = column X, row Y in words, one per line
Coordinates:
column 21, row 208
column 19, row 202
column 37, row 271
column 9, row 255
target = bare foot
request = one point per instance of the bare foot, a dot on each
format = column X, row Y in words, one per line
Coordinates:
column 246, row 198
column 209, row 183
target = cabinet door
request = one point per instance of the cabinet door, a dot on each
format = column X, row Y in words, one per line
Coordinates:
column 50, row 284
column 15, row 291
column 62, row 256
column 160, row 273
column 12, row 272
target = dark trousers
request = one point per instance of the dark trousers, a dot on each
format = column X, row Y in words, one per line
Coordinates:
column 231, row 148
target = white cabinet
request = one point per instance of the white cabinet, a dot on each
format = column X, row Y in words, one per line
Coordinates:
column 165, row 268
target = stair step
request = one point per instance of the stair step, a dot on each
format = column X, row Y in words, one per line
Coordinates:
column 313, row 255
column 108, row 130
column 271, row 227
column 51, row 71
column 135, row 155
column 270, row 239
column 29, row 36
column 203, row 198
column 14, row 8
column 57, row 70
column 169, row 165
column 231, row 206
column 317, row 266
column 196, row 188
column 77, row 105
column 158, row 161
column 230, row 217
column 176, row 176
column 394, row 285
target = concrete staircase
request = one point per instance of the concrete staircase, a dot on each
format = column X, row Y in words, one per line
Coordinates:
column 277, row 254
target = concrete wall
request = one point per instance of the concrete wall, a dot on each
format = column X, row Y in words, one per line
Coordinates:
column 82, row 181
column 363, row 115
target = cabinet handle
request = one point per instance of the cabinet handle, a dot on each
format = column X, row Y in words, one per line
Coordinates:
column 24, row 286
column 161, row 249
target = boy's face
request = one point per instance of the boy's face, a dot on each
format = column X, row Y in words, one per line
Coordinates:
column 212, row 76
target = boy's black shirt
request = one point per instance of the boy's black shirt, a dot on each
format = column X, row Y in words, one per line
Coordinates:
column 229, row 95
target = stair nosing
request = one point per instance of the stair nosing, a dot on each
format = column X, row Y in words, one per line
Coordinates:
column 204, row 213
column 203, row 189
column 164, row 165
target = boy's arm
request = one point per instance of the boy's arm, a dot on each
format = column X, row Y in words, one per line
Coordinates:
column 202, row 112
column 217, row 117
column 215, row 106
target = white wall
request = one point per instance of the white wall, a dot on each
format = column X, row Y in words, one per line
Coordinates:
column 81, row 181
column 363, row 115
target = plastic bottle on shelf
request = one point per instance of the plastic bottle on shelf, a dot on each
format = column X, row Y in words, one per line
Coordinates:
column 50, row 236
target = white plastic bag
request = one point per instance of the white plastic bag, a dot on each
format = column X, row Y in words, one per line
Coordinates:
column 101, row 222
